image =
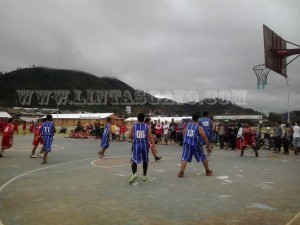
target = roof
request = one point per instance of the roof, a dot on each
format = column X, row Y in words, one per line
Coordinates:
column 4, row 115
column 29, row 119
column 238, row 117
column 162, row 119
column 81, row 116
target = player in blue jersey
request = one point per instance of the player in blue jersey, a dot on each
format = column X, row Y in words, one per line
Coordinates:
column 105, row 139
column 47, row 131
column 208, row 125
column 192, row 147
column 140, row 134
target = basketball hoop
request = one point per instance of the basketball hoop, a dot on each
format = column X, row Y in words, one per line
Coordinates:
column 261, row 73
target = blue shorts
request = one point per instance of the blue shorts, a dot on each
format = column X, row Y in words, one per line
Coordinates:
column 47, row 143
column 104, row 142
column 189, row 151
column 140, row 152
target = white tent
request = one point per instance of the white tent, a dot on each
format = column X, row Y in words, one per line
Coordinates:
column 4, row 115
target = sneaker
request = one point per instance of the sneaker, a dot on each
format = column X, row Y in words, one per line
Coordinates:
column 104, row 157
column 209, row 172
column 144, row 178
column 44, row 161
column 133, row 178
column 157, row 158
column 32, row 156
column 100, row 156
column 1, row 155
column 40, row 155
column 180, row 174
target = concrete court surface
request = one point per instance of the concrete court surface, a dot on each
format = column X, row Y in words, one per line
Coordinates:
column 76, row 188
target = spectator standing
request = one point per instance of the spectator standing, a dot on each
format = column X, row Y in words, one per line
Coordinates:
column 277, row 137
column 296, row 138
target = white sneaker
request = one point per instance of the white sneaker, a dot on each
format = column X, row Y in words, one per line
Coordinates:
column 32, row 156
column 40, row 155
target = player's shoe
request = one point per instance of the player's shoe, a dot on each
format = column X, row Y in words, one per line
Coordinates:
column 180, row 174
column 133, row 178
column 144, row 178
column 33, row 156
column 40, row 155
column 45, row 161
column 157, row 158
column 209, row 172
column 104, row 157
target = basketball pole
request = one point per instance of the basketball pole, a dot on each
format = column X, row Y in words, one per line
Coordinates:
column 288, row 87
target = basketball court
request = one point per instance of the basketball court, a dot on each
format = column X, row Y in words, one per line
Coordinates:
column 77, row 188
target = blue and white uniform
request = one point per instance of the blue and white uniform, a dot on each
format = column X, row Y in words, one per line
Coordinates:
column 140, row 148
column 191, row 146
column 105, row 137
column 47, row 132
column 206, row 124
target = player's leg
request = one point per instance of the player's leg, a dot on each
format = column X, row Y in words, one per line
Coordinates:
column 186, row 152
column 33, row 151
column 135, row 159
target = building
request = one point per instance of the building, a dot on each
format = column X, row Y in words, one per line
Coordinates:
column 71, row 119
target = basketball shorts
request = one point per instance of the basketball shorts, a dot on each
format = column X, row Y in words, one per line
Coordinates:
column 7, row 142
column 189, row 151
column 140, row 152
column 47, row 143
column 37, row 140
column 105, row 142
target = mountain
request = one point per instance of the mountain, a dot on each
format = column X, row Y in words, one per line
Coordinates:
column 42, row 87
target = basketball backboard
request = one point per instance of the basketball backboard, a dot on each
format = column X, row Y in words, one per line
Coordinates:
column 273, row 43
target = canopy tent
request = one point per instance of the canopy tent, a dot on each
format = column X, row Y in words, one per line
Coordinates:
column 4, row 115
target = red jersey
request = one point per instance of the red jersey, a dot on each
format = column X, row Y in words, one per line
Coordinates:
column 37, row 139
column 8, row 130
column 37, row 130
column 7, row 139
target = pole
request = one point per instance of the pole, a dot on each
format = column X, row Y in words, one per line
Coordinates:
column 288, row 86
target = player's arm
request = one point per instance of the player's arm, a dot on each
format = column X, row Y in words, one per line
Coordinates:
column 130, row 133
column 212, row 124
column 54, row 129
column 204, row 137
column 151, row 139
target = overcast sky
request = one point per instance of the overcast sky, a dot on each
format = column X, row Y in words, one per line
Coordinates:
column 202, row 45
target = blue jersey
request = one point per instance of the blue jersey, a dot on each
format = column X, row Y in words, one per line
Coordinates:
column 140, row 133
column 106, row 130
column 205, row 123
column 47, row 128
column 191, row 134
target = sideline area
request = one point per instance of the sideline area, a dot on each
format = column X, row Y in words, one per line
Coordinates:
column 77, row 188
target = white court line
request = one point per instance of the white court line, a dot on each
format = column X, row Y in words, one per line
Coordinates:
column 32, row 171
column 54, row 148
column 294, row 219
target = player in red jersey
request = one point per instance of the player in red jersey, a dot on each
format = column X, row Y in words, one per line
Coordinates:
column 37, row 139
column 7, row 136
column 153, row 150
column 248, row 139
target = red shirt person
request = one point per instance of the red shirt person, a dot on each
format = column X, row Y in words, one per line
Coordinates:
column 7, row 136
column 248, row 139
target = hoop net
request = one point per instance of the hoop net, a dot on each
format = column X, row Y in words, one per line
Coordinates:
column 261, row 73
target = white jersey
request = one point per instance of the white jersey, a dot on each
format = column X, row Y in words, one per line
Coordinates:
column 296, row 130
